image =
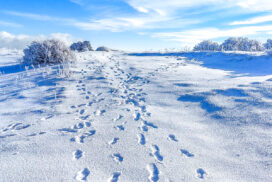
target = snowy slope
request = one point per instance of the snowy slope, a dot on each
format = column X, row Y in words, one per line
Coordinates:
column 123, row 117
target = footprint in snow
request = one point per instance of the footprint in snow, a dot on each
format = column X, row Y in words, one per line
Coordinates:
column 115, row 177
column 172, row 137
column 79, row 126
column 82, row 111
column 82, row 175
column 18, row 126
column 117, row 157
column 186, row 153
column 153, row 172
column 200, row 173
column 141, row 139
column 114, row 141
column 77, row 154
column 156, row 153
column 80, row 139
column 120, row 127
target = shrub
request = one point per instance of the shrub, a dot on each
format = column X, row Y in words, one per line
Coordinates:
column 268, row 44
column 47, row 52
column 207, row 45
column 241, row 44
column 81, row 46
column 103, row 49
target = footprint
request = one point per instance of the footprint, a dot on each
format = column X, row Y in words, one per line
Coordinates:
column 137, row 116
column 200, row 173
column 82, row 111
column 153, row 172
column 78, row 154
column 90, row 133
column 87, row 124
column 82, row 175
column 115, row 177
column 68, row 130
column 114, row 141
column 84, row 117
column 141, row 139
column 117, row 157
column 80, row 139
column 172, row 137
column 120, row 127
column 144, row 128
column 79, row 126
column 19, row 126
column 187, row 153
column 5, row 136
column 156, row 153
column 150, row 124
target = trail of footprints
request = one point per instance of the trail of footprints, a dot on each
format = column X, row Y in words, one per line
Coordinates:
column 131, row 97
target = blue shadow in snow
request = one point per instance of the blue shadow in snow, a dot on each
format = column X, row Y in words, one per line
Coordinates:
column 12, row 69
column 252, row 65
column 204, row 104
column 232, row 92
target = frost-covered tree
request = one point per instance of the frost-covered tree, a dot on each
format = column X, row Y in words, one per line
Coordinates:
column 47, row 52
column 207, row 45
column 81, row 46
column 241, row 44
column 268, row 44
column 106, row 49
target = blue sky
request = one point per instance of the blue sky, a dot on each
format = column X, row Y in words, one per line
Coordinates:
column 133, row 24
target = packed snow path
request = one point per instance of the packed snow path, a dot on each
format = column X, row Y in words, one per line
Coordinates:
column 135, row 118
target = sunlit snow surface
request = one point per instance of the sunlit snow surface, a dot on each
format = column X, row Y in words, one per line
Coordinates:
column 137, row 117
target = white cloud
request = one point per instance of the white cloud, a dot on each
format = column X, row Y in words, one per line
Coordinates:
column 192, row 37
column 170, row 6
column 9, row 24
column 255, row 5
column 129, row 23
column 37, row 16
column 79, row 2
column 255, row 20
column 11, row 41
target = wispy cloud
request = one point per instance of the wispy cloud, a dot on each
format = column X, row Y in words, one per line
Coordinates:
column 9, row 24
column 191, row 37
column 256, row 20
column 37, row 16
column 78, row 2
column 115, row 24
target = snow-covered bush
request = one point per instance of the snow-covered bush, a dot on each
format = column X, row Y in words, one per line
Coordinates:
column 241, row 44
column 103, row 49
column 207, row 45
column 81, row 46
column 268, row 44
column 47, row 52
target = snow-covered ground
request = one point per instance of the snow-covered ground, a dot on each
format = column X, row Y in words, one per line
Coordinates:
column 137, row 117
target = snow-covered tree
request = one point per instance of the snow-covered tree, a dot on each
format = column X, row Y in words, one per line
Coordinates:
column 47, row 52
column 106, row 49
column 207, row 45
column 81, row 46
column 241, row 44
column 268, row 44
